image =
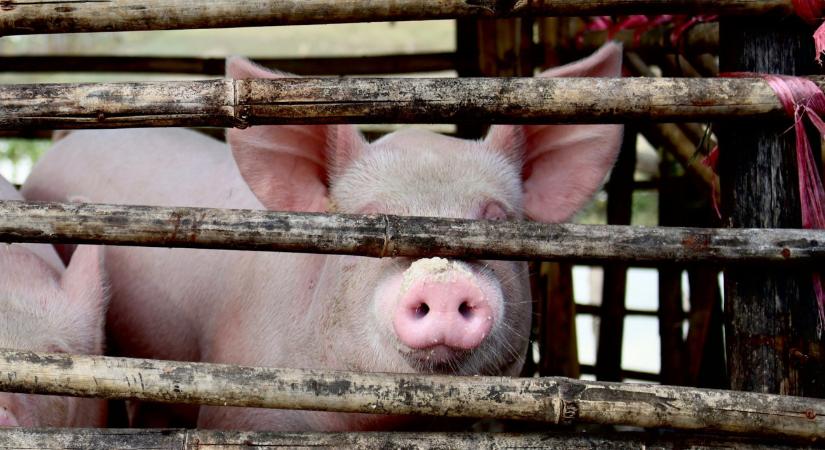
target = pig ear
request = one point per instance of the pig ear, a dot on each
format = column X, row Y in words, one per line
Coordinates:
column 564, row 165
column 287, row 166
column 85, row 284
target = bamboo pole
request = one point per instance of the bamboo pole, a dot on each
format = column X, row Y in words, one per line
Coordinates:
column 354, row 65
column 550, row 400
column 673, row 137
column 241, row 103
column 700, row 38
column 73, row 16
column 395, row 236
column 144, row 439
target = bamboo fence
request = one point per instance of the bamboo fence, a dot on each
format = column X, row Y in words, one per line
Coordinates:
column 392, row 236
column 240, row 103
column 552, row 400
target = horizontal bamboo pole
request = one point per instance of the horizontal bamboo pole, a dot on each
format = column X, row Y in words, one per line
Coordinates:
column 354, row 65
column 384, row 235
column 700, row 38
column 144, row 439
column 240, row 103
column 73, row 16
column 551, row 400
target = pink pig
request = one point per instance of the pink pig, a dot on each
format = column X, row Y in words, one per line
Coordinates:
column 430, row 315
column 46, row 307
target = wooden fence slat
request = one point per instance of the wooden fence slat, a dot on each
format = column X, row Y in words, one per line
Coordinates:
column 240, row 103
column 144, row 439
column 551, row 400
column 384, row 235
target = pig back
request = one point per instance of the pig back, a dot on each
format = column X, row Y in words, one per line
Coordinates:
column 162, row 299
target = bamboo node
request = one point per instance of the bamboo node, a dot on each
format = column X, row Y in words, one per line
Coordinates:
column 569, row 412
column 385, row 249
column 242, row 117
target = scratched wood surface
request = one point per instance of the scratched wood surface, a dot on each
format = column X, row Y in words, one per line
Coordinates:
column 241, row 103
column 73, row 16
column 385, row 235
column 550, row 400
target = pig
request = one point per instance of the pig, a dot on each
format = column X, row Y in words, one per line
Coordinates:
column 47, row 307
column 403, row 315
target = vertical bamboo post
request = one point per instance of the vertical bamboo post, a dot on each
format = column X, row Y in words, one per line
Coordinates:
column 705, row 342
column 493, row 48
column 467, row 66
column 671, row 314
column 619, row 209
column 557, row 329
column 772, row 342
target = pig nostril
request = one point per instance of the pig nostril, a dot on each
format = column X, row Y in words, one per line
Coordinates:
column 465, row 310
column 421, row 310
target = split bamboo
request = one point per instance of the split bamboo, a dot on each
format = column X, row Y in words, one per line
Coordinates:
column 241, row 103
column 550, row 400
column 395, row 236
column 73, row 16
column 133, row 439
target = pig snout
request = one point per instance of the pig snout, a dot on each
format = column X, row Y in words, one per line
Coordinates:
column 441, row 303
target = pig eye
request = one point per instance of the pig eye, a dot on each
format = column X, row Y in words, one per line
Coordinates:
column 493, row 210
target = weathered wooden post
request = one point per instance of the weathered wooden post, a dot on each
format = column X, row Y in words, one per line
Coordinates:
column 772, row 341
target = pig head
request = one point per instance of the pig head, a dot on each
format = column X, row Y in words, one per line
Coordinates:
column 430, row 315
column 48, row 308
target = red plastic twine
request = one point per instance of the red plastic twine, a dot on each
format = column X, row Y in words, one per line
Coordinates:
column 811, row 11
column 802, row 99
column 642, row 24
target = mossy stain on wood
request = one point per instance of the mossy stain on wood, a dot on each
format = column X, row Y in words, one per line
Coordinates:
column 44, row 359
column 334, row 387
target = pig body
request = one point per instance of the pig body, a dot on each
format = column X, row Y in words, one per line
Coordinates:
column 323, row 311
column 48, row 308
